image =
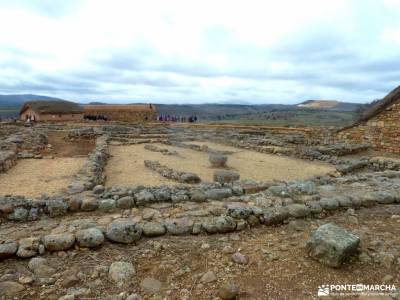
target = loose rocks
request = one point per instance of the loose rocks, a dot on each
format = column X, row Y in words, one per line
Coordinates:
column 332, row 245
column 228, row 291
column 120, row 272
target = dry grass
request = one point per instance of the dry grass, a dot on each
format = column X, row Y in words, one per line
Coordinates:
column 32, row 177
column 126, row 165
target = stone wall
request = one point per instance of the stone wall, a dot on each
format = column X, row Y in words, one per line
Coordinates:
column 381, row 131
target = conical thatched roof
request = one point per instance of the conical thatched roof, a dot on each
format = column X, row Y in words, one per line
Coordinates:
column 52, row 107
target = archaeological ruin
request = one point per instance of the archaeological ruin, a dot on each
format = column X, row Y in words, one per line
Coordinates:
column 121, row 211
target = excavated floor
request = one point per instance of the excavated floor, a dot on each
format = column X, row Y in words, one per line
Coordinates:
column 126, row 166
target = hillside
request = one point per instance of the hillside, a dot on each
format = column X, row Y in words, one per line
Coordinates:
column 330, row 105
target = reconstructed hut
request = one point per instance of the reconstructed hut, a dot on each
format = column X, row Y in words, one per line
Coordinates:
column 133, row 113
column 378, row 126
column 51, row 110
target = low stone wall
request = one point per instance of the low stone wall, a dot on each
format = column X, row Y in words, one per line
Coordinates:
column 91, row 173
column 184, row 177
column 7, row 160
column 20, row 209
column 23, row 143
column 229, row 219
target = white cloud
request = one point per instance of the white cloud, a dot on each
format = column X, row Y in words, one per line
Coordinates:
column 199, row 51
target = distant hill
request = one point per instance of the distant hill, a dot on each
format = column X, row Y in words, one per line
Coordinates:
column 333, row 105
column 12, row 101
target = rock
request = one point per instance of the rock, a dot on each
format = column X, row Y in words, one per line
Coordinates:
column 302, row 188
column 179, row 226
column 315, row 207
column 329, row 203
column 298, row 210
column 218, row 160
column 332, row 245
column 126, row 202
column 57, row 207
column 8, row 249
column 121, row 272
column 208, row 277
column 187, row 177
column 153, row 229
column 89, row 204
column 123, row 231
column 134, row 297
column 239, row 258
column 239, row 212
column 28, row 247
column 344, row 201
column 144, row 197
column 222, row 224
column 10, row 288
column 89, row 238
column 150, row 285
column 218, row 194
column 275, row 215
column 74, row 203
column 40, row 267
column 228, row 291
column 19, row 214
column 198, row 196
column 225, row 176
column 25, row 279
column 107, row 205
column 58, row 242
column 384, row 197
column 98, row 189
column 75, row 188
column 70, row 281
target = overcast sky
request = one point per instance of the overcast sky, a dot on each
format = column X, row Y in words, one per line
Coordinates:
column 200, row 51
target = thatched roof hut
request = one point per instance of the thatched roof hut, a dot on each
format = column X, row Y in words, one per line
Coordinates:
column 49, row 110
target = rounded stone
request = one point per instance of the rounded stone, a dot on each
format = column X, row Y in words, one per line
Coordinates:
column 121, row 272
column 228, row 291
column 125, row 202
column 153, row 229
column 89, row 204
column 8, row 249
column 107, row 205
column 89, row 238
column 124, row 231
column 28, row 247
column 218, row 160
column 59, row 242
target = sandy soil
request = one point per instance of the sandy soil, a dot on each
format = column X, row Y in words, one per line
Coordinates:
column 32, row 177
column 126, row 165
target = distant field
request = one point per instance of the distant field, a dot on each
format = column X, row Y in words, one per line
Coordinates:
column 292, row 118
column 7, row 112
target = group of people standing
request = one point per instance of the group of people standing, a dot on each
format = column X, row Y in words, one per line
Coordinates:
column 169, row 118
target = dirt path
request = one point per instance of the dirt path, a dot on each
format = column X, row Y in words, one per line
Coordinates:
column 126, row 165
column 32, row 177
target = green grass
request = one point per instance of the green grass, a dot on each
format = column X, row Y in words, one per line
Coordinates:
column 295, row 118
